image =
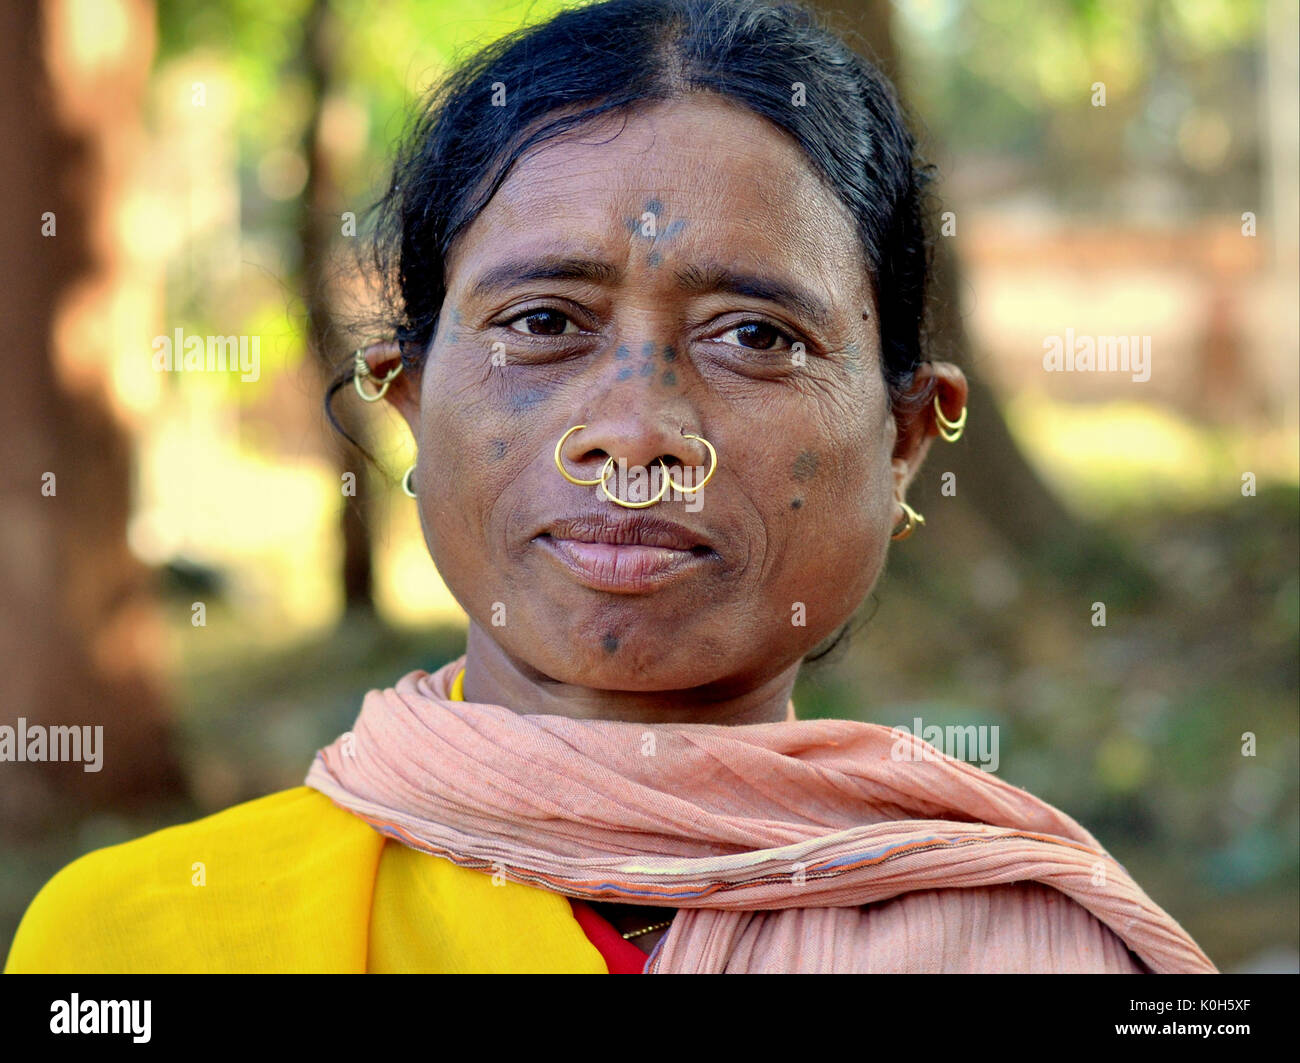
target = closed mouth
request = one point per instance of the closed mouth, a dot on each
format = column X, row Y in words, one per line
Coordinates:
column 636, row 529
column 632, row 554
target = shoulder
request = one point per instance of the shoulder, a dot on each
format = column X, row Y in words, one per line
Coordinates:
column 279, row 883
column 1014, row 928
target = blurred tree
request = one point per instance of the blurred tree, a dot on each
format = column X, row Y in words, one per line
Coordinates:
column 320, row 208
column 996, row 480
column 78, row 625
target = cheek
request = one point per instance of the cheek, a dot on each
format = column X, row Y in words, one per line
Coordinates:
column 467, row 451
column 831, row 501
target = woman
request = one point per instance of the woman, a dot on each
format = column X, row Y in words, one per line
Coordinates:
column 657, row 272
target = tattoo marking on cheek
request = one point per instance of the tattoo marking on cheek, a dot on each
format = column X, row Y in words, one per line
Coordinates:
column 653, row 259
column 648, row 349
column 805, row 466
column 453, row 316
column 795, row 503
column 609, row 644
column 670, row 355
column 647, row 368
column 625, row 374
column 499, row 449
column 669, row 378
column 853, row 362
column 526, row 400
column 622, row 351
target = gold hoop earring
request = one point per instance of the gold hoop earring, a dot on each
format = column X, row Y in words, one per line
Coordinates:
column 950, row 430
column 564, row 472
column 361, row 371
column 913, row 519
column 406, row 482
column 604, row 473
column 713, row 467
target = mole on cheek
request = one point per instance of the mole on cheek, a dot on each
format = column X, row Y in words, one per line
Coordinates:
column 609, row 644
column 795, row 503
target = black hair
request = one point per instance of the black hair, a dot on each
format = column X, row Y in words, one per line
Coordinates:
column 775, row 58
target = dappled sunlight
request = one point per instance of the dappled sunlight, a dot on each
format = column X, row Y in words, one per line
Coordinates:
column 1115, row 456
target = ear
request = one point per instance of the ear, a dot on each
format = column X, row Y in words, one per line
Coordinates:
column 403, row 390
column 917, row 425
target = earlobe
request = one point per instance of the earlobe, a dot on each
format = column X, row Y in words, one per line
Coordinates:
column 902, row 476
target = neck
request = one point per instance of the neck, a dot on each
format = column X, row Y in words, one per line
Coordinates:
column 494, row 677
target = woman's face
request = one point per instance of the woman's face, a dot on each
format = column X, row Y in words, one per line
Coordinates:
column 649, row 277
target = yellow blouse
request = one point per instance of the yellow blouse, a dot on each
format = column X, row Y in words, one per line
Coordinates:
column 291, row 883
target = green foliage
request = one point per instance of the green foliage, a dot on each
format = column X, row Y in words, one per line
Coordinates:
column 1012, row 81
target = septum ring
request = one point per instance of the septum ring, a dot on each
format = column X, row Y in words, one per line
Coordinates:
column 603, row 478
column 604, row 473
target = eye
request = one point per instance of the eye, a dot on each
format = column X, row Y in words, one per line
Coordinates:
column 543, row 321
column 758, row 336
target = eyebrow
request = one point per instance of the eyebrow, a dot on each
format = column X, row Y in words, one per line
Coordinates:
column 695, row 280
column 545, row 268
column 700, row 280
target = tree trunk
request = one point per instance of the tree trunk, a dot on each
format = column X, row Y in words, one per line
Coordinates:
column 995, row 482
column 79, row 631
column 319, row 221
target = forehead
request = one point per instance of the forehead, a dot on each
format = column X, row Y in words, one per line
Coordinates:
column 720, row 181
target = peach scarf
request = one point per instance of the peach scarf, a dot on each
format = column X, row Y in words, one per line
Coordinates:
column 768, row 839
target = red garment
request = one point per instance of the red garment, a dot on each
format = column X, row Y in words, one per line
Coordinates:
column 620, row 955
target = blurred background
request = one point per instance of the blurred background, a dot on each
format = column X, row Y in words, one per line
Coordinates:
column 216, row 579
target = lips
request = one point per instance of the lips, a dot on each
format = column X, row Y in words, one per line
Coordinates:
column 630, row 554
column 635, row 529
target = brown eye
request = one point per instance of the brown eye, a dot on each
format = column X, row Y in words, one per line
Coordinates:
column 542, row 323
column 757, row 335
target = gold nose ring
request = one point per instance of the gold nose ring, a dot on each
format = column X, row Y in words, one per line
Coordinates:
column 663, row 486
column 565, row 472
column 603, row 478
column 713, row 467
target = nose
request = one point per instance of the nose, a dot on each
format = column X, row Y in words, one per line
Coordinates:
column 638, row 439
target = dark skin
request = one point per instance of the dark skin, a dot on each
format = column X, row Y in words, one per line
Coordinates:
column 812, row 463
